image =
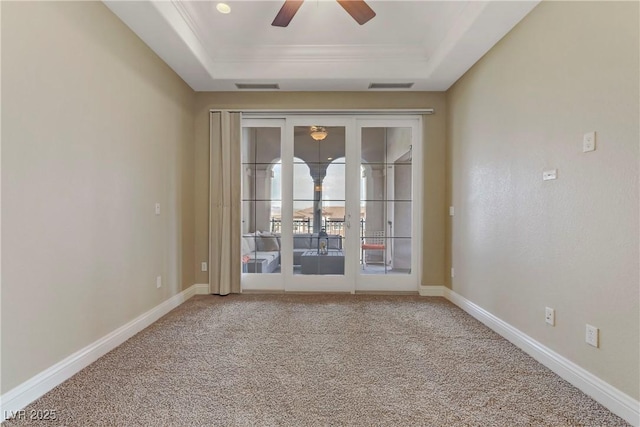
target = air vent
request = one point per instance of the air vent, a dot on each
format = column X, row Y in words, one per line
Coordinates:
column 390, row 85
column 257, row 86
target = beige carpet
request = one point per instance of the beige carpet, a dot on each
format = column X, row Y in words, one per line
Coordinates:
column 311, row 360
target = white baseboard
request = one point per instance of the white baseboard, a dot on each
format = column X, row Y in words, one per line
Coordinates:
column 201, row 288
column 613, row 399
column 20, row 396
column 431, row 291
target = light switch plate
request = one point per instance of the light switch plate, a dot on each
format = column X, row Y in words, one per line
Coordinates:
column 157, row 208
column 550, row 174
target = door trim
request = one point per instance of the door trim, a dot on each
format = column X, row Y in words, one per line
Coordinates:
column 354, row 122
column 314, row 283
column 410, row 282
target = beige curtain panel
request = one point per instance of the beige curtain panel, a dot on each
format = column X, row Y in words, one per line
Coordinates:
column 224, row 185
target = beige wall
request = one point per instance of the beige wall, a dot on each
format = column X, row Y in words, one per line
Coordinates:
column 520, row 244
column 96, row 129
column 434, row 157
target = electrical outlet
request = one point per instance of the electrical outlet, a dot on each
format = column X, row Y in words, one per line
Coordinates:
column 592, row 336
column 203, row 266
column 453, row 272
column 452, row 211
column 159, row 282
column 589, row 142
column 550, row 316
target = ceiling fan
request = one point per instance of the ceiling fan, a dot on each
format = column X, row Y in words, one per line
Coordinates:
column 358, row 9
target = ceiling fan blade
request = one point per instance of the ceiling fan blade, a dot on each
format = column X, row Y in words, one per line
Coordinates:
column 287, row 12
column 358, row 9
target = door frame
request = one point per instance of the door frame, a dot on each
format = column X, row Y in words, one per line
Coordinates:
column 401, row 282
column 353, row 280
column 316, row 283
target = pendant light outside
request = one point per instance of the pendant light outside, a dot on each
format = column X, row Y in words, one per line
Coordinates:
column 318, row 133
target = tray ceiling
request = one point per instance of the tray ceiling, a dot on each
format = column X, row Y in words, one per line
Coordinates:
column 427, row 43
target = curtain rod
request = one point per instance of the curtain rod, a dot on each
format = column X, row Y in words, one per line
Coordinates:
column 251, row 112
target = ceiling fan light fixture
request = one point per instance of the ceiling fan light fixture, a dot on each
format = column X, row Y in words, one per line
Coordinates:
column 318, row 133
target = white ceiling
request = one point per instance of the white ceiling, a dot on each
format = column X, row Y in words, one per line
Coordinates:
column 428, row 43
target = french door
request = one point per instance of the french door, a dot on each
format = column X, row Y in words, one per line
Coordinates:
column 331, row 203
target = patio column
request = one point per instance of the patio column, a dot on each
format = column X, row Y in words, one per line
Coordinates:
column 317, row 204
column 318, row 172
column 263, row 198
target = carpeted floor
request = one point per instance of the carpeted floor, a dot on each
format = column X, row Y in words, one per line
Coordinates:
column 310, row 360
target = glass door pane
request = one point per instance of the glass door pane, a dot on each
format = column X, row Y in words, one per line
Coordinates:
column 261, row 200
column 319, row 200
column 386, row 202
